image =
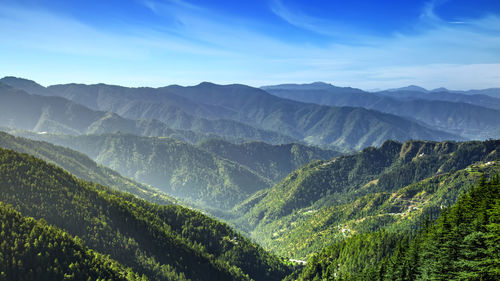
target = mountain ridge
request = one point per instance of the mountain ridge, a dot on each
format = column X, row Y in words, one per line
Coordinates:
column 313, row 124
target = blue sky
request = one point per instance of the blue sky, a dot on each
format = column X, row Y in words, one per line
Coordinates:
column 365, row 44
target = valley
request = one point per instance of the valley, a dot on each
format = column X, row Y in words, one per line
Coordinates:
column 230, row 182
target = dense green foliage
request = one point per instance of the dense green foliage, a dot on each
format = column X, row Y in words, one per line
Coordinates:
column 162, row 242
column 33, row 250
column 273, row 162
column 240, row 112
column 462, row 244
column 216, row 173
column 474, row 117
column 83, row 167
column 175, row 167
column 391, row 187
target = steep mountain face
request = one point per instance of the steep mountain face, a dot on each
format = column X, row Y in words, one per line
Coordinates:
column 33, row 250
column 462, row 244
column 320, row 196
column 233, row 110
column 83, row 167
column 161, row 242
column 472, row 117
column 273, row 162
column 177, row 168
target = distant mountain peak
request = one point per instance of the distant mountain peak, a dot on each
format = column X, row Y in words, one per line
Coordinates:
column 307, row 86
column 206, row 83
column 440, row 89
column 12, row 79
column 27, row 85
column 414, row 88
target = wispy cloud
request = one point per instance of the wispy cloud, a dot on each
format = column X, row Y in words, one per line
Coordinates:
column 196, row 43
column 327, row 27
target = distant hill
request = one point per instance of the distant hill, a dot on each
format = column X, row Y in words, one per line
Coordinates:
column 343, row 127
column 274, row 162
column 177, row 168
column 233, row 110
column 83, row 167
column 472, row 117
column 457, row 97
column 313, row 205
column 491, row 92
column 155, row 108
column 58, row 115
column 215, row 173
column 162, row 242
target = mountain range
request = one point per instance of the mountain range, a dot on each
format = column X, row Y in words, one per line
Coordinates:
column 471, row 116
column 215, row 174
column 312, row 181
column 161, row 242
column 366, row 191
column 237, row 111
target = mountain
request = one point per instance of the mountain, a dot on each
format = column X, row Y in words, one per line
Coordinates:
column 83, row 167
column 154, row 108
column 492, row 92
column 462, row 244
column 343, row 127
column 473, row 117
column 412, row 88
column 313, row 205
column 33, row 250
column 58, row 115
column 273, row 162
column 234, row 109
column 456, row 97
column 162, row 242
column 177, row 168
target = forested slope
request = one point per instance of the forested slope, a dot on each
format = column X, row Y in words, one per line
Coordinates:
column 33, row 250
column 83, row 167
column 462, row 244
column 325, row 199
column 161, row 242
column 273, row 162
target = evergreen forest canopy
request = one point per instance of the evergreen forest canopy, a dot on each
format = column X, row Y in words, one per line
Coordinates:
column 161, row 242
column 462, row 244
column 410, row 198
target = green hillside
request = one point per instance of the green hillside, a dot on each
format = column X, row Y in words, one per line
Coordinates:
column 372, row 189
column 161, row 242
column 83, row 167
column 462, row 244
column 274, row 162
column 215, row 173
column 177, row 168
column 33, row 250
